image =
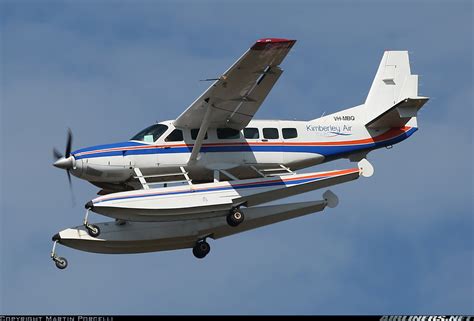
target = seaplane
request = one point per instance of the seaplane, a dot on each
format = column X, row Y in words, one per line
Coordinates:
column 206, row 174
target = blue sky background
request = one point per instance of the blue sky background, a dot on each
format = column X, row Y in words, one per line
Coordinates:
column 400, row 242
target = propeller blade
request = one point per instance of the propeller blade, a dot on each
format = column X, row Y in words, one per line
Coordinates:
column 56, row 154
column 69, row 143
column 69, row 178
column 73, row 199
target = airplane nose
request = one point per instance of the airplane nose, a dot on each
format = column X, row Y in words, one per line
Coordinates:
column 65, row 163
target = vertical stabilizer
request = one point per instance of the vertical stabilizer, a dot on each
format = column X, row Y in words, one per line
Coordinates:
column 393, row 98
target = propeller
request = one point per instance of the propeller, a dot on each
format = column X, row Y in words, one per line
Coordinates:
column 65, row 161
column 57, row 155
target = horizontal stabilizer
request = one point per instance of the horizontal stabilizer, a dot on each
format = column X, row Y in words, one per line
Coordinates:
column 399, row 114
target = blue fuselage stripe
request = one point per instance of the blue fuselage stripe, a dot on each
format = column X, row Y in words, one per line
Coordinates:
column 314, row 149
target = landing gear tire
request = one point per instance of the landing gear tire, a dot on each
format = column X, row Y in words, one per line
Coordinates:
column 201, row 249
column 235, row 217
column 61, row 263
column 93, row 230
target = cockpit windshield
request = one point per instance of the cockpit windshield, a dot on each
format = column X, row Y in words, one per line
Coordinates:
column 150, row 134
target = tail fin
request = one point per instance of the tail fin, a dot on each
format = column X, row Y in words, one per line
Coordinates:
column 393, row 98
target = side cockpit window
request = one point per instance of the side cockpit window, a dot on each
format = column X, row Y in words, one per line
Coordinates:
column 150, row 134
column 175, row 136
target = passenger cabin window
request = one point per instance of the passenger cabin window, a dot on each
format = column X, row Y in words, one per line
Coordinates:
column 150, row 134
column 195, row 132
column 228, row 133
column 175, row 136
column 251, row 133
column 270, row 133
column 289, row 133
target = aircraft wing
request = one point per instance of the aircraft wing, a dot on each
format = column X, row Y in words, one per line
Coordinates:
column 235, row 97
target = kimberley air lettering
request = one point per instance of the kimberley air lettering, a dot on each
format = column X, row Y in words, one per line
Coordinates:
column 330, row 129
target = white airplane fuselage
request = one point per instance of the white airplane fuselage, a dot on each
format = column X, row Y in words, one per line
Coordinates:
column 294, row 144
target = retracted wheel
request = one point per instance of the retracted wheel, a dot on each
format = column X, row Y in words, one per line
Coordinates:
column 120, row 222
column 201, row 249
column 93, row 230
column 235, row 217
column 61, row 263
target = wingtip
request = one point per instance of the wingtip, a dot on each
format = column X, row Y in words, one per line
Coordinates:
column 273, row 42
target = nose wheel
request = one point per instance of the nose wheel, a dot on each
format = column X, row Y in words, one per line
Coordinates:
column 59, row 261
column 235, row 217
column 201, row 249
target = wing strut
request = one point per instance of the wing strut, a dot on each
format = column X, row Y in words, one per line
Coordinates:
column 140, row 177
column 201, row 134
